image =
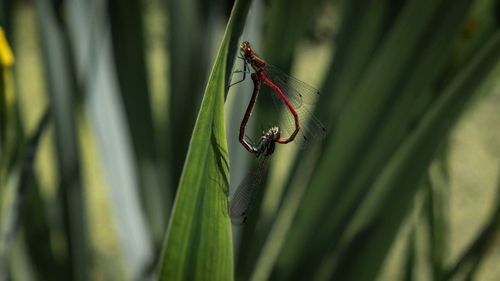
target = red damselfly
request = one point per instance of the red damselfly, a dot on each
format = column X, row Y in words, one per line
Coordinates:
column 239, row 203
column 290, row 94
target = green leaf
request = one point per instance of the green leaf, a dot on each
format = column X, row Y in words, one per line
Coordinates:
column 328, row 198
column 437, row 216
column 63, row 89
column 198, row 243
column 25, row 207
column 388, row 202
column 189, row 37
column 105, row 111
column 373, row 125
column 289, row 20
column 126, row 18
column 362, row 31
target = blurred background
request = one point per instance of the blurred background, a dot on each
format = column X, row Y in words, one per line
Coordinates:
column 99, row 99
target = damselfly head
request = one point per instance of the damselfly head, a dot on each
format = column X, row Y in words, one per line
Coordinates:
column 273, row 133
column 268, row 142
column 245, row 49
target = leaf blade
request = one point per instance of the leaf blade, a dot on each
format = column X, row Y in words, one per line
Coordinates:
column 198, row 244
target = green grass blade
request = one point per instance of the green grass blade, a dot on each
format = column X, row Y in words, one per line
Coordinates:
column 109, row 125
column 106, row 116
column 290, row 20
column 128, row 49
column 353, row 131
column 198, row 244
column 189, row 37
column 437, row 212
column 411, row 250
column 126, row 22
column 391, row 195
column 63, row 88
column 27, row 208
column 362, row 30
column 397, row 122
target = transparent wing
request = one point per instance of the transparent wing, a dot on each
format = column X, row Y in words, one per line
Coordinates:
column 311, row 128
column 240, row 202
column 297, row 92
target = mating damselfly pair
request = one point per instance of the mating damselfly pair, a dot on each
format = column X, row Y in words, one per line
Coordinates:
column 289, row 94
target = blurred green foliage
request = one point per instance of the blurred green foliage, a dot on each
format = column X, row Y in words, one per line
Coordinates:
column 118, row 145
